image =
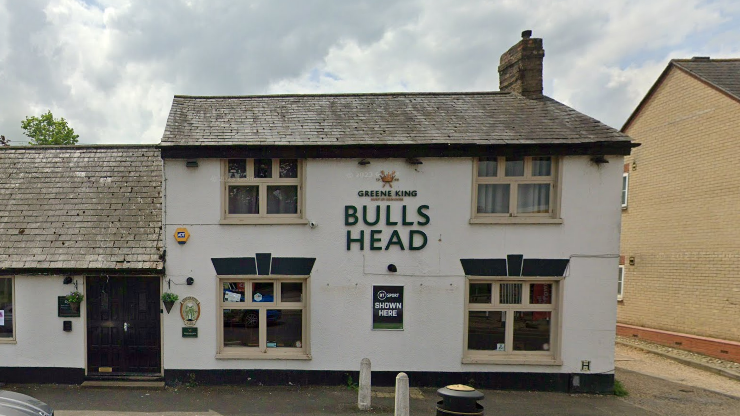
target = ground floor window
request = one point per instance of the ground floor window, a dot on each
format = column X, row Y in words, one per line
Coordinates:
column 263, row 317
column 6, row 309
column 511, row 320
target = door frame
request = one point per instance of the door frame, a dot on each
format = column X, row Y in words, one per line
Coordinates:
column 83, row 315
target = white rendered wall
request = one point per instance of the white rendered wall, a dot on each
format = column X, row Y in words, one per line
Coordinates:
column 341, row 281
column 40, row 340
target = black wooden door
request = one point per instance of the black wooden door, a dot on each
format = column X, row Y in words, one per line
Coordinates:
column 123, row 331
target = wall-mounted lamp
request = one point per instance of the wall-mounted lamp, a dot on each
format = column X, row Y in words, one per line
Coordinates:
column 191, row 163
column 363, row 162
column 413, row 161
column 392, row 268
column 632, row 260
column 68, row 280
column 190, row 281
column 599, row 160
column 634, row 165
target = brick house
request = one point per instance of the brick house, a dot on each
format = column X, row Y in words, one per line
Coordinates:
column 680, row 282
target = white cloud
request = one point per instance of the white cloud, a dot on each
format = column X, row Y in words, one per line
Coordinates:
column 111, row 67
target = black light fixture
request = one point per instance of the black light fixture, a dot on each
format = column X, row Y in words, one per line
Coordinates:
column 190, row 281
column 600, row 159
column 392, row 268
column 413, row 161
column 191, row 163
column 67, row 280
column 363, row 162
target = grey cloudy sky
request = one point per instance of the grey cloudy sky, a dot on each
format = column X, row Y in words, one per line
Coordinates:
column 111, row 67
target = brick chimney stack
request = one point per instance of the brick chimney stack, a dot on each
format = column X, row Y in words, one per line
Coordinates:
column 520, row 68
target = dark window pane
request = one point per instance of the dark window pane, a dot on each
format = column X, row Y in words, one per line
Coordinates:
column 493, row 199
column 6, row 307
column 487, row 167
column 284, row 328
column 514, row 166
column 511, row 293
column 234, row 292
column 533, row 198
column 532, row 331
column 282, row 199
column 237, row 168
column 480, row 293
column 486, row 330
column 288, row 168
column 244, row 199
column 540, row 294
column 291, row 292
column 263, row 292
column 263, row 168
column 241, row 328
column 541, row 166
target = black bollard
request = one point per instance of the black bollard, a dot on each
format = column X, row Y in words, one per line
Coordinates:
column 459, row 399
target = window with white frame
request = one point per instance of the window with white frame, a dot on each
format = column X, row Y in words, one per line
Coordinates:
column 625, row 188
column 265, row 190
column 511, row 320
column 263, row 318
column 6, row 309
column 515, row 187
column 620, row 283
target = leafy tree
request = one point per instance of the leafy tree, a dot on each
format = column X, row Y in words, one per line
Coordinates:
column 46, row 130
column 4, row 141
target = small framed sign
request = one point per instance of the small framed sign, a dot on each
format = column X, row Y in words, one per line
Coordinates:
column 65, row 309
column 388, row 308
column 189, row 332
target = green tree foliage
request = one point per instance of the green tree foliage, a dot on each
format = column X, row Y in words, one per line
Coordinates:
column 45, row 130
column 4, row 141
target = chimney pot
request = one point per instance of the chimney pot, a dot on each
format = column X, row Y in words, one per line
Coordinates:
column 526, row 34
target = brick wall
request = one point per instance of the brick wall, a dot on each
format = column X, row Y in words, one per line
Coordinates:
column 682, row 223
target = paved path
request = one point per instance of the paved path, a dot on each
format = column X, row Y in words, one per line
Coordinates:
column 665, row 387
column 228, row 401
column 657, row 387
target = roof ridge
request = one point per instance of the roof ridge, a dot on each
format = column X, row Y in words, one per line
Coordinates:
column 705, row 60
column 366, row 94
column 80, row 146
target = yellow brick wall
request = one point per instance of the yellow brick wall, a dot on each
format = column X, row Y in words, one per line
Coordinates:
column 682, row 224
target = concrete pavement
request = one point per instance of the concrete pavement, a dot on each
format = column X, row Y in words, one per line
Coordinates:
column 294, row 400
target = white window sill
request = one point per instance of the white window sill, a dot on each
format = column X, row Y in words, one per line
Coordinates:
column 8, row 341
column 264, row 221
column 512, row 360
column 515, row 220
column 261, row 356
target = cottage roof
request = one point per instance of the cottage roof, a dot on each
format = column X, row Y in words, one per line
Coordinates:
column 475, row 118
column 80, row 207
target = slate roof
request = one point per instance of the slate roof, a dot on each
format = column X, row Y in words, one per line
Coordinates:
column 80, row 207
column 379, row 119
column 723, row 74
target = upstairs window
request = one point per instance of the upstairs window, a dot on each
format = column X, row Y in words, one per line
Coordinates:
column 263, row 190
column 625, row 188
column 508, row 187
